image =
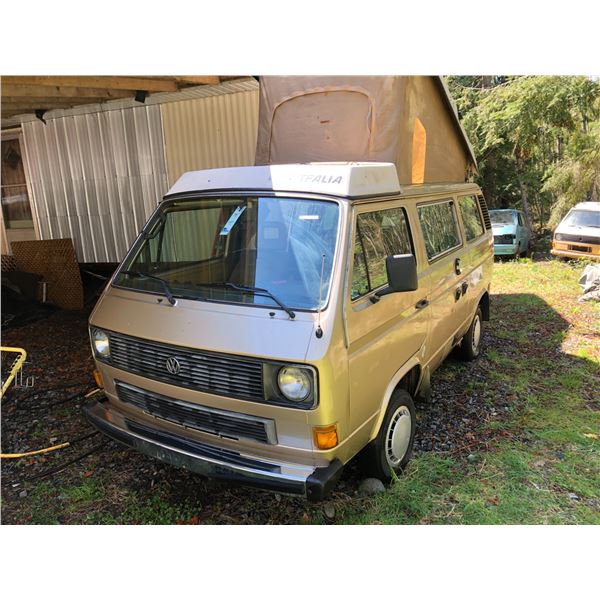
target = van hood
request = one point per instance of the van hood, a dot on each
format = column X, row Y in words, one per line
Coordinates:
column 580, row 231
column 227, row 328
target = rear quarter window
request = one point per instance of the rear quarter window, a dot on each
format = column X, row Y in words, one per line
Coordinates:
column 471, row 217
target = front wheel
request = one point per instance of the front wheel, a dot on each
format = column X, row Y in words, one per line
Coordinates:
column 470, row 345
column 391, row 450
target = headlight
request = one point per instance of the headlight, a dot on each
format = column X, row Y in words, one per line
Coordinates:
column 558, row 236
column 294, row 383
column 100, row 343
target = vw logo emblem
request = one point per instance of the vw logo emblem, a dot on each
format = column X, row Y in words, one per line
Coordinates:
column 173, row 365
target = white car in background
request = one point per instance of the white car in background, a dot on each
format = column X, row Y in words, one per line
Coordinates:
column 578, row 234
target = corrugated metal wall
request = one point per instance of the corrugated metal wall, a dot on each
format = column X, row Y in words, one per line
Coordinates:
column 96, row 173
column 96, row 177
column 211, row 132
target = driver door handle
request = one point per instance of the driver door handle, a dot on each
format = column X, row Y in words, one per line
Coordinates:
column 457, row 267
column 422, row 304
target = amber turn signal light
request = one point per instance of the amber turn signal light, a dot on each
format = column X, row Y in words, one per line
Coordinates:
column 98, row 378
column 326, row 437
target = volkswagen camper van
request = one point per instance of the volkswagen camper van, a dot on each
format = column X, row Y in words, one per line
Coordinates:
column 578, row 234
column 272, row 323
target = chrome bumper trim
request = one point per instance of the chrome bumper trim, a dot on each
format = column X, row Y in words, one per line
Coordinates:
column 287, row 478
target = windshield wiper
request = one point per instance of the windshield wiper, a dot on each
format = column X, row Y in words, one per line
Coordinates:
column 252, row 290
column 168, row 291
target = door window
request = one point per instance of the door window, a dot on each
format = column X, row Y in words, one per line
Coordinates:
column 520, row 219
column 379, row 234
column 440, row 228
column 15, row 200
column 471, row 217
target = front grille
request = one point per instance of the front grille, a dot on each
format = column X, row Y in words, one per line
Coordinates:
column 580, row 248
column 484, row 212
column 583, row 239
column 200, row 449
column 220, row 374
column 209, row 420
column 504, row 239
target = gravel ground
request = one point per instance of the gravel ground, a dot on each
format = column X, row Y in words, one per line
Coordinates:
column 50, row 412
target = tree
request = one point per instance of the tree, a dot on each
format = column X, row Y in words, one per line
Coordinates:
column 528, row 134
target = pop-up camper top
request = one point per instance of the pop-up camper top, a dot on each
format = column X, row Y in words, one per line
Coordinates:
column 409, row 121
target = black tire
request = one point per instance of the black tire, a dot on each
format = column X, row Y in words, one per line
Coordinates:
column 470, row 345
column 378, row 458
column 518, row 252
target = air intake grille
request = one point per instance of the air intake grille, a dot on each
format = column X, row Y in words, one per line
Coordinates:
column 200, row 449
column 484, row 212
column 220, row 374
column 504, row 239
column 217, row 422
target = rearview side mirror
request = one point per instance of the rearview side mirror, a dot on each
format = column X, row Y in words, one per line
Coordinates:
column 402, row 275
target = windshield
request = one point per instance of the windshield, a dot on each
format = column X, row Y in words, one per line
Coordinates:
column 502, row 217
column 276, row 244
column 582, row 218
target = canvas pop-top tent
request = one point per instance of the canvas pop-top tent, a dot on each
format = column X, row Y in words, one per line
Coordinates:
column 409, row 121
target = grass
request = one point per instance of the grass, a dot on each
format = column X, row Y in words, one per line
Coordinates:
column 548, row 471
column 540, row 462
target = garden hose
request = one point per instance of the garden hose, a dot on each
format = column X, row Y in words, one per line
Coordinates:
column 34, row 452
column 50, row 448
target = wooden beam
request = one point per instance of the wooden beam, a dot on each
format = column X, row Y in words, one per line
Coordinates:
column 5, row 114
column 12, row 90
column 148, row 84
column 40, row 101
column 198, row 79
column 29, row 106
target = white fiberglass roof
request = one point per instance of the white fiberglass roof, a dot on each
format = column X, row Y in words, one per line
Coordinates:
column 587, row 206
column 338, row 179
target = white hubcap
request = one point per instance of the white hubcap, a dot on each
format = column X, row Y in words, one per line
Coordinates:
column 476, row 334
column 398, row 436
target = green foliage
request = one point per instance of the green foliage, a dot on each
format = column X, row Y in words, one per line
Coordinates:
column 536, row 139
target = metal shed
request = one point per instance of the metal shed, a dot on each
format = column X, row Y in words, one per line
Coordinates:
column 95, row 172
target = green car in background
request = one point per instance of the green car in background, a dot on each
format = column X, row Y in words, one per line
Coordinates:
column 511, row 233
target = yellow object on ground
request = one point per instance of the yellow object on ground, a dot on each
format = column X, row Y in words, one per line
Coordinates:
column 17, row 364
column 34, row 452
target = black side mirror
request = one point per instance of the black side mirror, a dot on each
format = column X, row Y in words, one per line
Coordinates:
column 402, row 275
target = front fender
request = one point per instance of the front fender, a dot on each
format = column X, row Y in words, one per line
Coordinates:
column 411, row 363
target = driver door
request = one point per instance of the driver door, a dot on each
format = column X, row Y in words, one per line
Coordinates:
column 383, row 335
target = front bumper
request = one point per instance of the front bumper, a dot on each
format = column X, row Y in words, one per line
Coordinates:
column 212, row 461
column 567, row 250
column 505, row 249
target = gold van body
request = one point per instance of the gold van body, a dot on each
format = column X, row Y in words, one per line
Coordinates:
column 359, row 349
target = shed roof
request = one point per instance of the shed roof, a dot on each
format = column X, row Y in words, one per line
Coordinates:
column 31, row 95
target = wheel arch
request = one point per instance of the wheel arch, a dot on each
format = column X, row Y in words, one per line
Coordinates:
column 408, row 377
column 484, row 304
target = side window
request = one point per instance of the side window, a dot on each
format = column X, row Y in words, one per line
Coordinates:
column 520, row 219
column 440, row 227
column 471, row 218
column 378, row 234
